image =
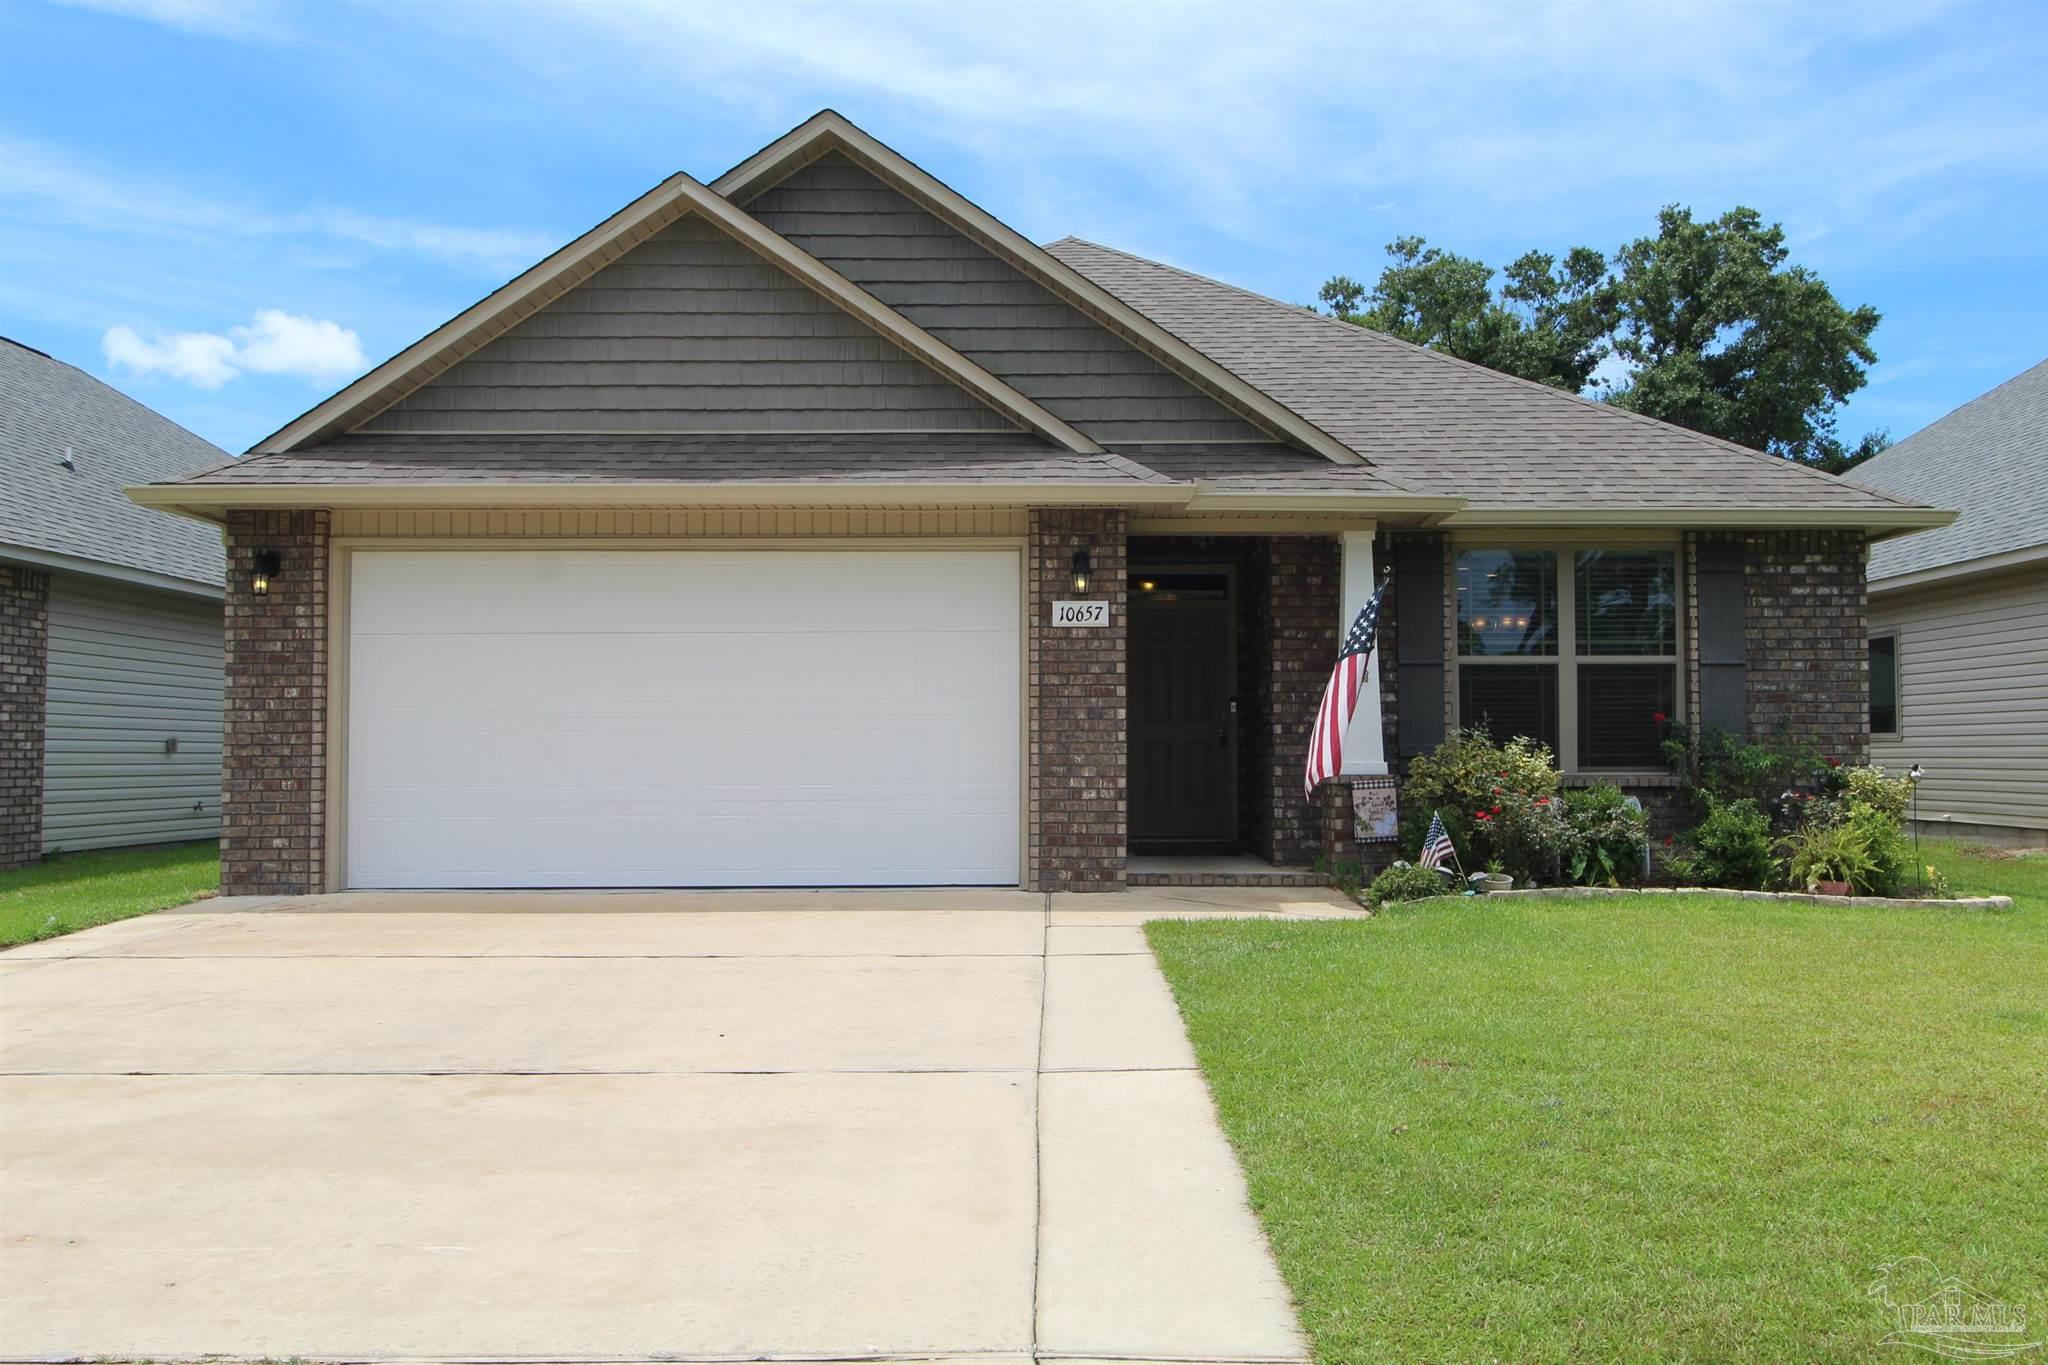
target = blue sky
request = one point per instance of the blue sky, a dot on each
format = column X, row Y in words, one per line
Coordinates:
column 227, row 209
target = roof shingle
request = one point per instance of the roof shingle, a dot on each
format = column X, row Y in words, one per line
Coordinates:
column 1440, row 425
column 45, row 406
column 1988, row 458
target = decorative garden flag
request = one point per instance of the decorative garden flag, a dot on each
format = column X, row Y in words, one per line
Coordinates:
column 1340, row 698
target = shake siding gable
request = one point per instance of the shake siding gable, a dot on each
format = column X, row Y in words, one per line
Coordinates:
column 987, row 309
column 689, row 332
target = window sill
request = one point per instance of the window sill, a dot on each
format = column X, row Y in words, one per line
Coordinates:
column 1621, row 779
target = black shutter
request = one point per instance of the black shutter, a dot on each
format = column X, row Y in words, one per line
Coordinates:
column 1419, row 632
column 1724, row 661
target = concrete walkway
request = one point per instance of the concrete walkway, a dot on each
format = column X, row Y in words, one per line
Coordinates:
column 563, row 1126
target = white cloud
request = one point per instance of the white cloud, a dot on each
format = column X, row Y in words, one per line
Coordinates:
column 55, row 180
column 247, row 20
column 277, row 342
column 205, row 359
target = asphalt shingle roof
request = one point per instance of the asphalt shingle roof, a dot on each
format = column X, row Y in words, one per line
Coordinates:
column 46, row 405
column 1988, row 458
column 1440, row 425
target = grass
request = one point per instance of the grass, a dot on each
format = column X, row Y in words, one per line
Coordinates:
column 72, row 891
column 1658, row 1128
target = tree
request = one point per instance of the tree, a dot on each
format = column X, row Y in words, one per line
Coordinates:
column 1717, row 331
column 1549, row 321
column 1723, row 337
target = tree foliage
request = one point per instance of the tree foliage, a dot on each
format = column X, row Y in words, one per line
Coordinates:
column 1716, row 329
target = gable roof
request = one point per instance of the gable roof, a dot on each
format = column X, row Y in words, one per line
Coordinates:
column 77, row 518
column 1990, row 458
column 460, row 337
column 1520, row 452
column 828, row 130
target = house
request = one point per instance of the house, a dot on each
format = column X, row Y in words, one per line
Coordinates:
column 110, row 622
column 1959, row 617
column 812, row 527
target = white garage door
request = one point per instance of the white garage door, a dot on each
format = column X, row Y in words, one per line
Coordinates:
column 700, row 718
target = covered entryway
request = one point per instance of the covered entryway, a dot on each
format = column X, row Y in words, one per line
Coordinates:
column 718, row 717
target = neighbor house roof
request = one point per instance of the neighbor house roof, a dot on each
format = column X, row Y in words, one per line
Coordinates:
column 1080, row 349
column 1511, row 447
column 75, row 517
column 1988, row 458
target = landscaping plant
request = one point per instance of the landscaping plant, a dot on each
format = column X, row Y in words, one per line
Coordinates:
column 1731, row 848
column 1603, row 837
column 1486, row 793
column 1406, row 882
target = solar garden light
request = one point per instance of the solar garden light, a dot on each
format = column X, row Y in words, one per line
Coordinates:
column 1913, row 775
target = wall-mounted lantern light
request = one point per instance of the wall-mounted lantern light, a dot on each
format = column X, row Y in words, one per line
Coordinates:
column 268, row 562
column 1083, row 568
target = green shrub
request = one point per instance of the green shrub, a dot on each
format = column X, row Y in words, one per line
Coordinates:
column 1407, row 882
column 1464, row 779
column 1867, row 850
column 1731, row 847
column 1871, row 786
column 1720, row 769
column 1603, row 837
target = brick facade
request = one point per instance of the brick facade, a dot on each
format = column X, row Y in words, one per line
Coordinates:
column 24, row 685
column 1806, row 613
column 1078, row 754
column 1296, row 618
column 274, row 760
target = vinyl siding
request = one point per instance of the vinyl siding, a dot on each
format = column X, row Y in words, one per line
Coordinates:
column 987, row 309
column 130, row 668
column 1973, row 679
column 690, row 332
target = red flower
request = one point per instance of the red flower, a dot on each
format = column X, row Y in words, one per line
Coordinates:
column 1660, row 718
column 1833, row 762
column 1481, row 815
column 1542, row 800
column 1496, row 791
column 1670, row 839
column 1494, row 809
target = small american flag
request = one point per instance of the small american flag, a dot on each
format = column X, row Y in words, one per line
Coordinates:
column 1436, row 848
column 1340, row 698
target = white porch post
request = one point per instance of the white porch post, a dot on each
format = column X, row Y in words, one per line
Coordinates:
column 1365, row 742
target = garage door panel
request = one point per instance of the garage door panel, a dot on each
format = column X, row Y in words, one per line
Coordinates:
column 539, row 752
column 639, row 592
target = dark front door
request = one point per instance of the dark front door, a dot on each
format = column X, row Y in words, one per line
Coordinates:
column 1183, row 723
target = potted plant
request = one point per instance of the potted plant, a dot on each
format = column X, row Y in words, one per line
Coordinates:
column 1493, row 879
column 1829, row 860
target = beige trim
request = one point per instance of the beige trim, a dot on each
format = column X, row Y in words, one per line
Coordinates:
column 491, row 526
column 343, row 549
column 210, row 499
column 2011, row 559
column 679, row 195
column 828, row 129
column 1880, row 521
column 1208, row 499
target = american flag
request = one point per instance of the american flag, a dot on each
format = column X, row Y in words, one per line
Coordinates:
column 1436, row 847
column 1340, row 698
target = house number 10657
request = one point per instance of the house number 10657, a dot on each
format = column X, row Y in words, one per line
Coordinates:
column 1080, row 613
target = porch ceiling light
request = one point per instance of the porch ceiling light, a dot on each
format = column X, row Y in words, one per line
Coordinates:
column 267, row 563
column 1084, row 569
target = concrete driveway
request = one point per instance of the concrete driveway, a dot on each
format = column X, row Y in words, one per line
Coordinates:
column 623, row 1126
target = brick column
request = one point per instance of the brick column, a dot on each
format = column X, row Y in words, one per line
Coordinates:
column 24, row 694
column 1299, row 615
column 1806, row 613
column 274, row 759
column 1078, row 741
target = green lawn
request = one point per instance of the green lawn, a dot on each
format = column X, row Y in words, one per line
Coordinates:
column 78, row 890
column 1656, row 1128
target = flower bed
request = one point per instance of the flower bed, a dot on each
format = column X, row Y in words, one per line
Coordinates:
column 1803, row 897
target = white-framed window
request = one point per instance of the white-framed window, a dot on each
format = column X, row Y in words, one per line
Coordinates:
column 1577, row 647
column 1884, row 683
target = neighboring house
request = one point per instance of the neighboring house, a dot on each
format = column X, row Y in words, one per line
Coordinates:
column 726, row 546
column 1959, row 616
column 110, row 622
